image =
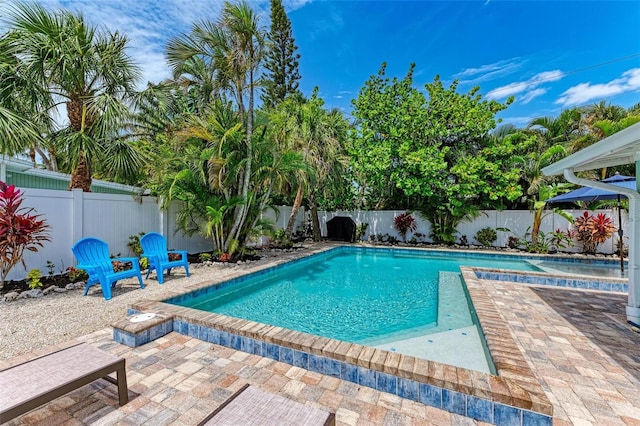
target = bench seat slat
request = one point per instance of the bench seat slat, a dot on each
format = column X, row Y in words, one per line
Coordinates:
column 28, row 385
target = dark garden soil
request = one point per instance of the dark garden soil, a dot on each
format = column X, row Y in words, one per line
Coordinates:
column 61, row 280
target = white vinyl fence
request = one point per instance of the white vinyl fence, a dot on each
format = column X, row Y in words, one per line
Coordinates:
column 73, row 215
column 516, row 221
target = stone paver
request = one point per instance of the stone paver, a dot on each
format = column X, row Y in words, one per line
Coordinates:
column 579, row 346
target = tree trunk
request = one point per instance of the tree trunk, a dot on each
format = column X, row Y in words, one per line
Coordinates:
column 81, row 176
column 317, row 234
column 32, row 155
column 535, row 229
column 241, row 211
column 294, row 211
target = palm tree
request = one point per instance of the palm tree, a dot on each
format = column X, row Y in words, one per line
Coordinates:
column 231, row 50
column 562, row 129
column 88, row 71
column 19, row 128
column 317, row 135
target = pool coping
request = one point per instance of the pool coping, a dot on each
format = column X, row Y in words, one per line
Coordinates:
column 513, row 394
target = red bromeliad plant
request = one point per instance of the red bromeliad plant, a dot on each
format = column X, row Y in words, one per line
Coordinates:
column 20, row 230
column 404, row 223
column 593, row 230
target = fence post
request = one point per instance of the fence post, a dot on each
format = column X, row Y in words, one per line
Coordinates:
column 77, row 214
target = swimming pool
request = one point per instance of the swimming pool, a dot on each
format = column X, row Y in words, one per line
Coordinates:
column 379, row 298
column 435, row 383
column 346, row 294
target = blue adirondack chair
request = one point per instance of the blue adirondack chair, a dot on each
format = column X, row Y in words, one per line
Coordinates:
column 93, row 257
column 154, row 247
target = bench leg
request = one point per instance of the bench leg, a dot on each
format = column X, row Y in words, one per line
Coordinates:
column 123, row 391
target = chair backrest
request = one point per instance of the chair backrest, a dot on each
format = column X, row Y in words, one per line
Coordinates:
column 92, row 251
column 153, row 243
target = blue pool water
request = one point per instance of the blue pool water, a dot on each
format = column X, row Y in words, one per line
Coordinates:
column 349, row 294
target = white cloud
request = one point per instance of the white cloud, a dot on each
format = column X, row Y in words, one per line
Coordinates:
column 528, row 87
column 585, row 92
column 489, row 71
column 529, row 96
column 150, row 23
column 291, row 5
column 486, row 68
column 338, row 97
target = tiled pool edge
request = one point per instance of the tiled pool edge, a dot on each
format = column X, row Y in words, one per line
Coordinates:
column 480, row 396
column 544, row 278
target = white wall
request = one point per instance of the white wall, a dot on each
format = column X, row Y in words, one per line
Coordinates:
column 73, row 215
column 517, row 221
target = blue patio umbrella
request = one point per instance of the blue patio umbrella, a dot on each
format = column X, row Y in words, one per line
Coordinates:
column 595, row 194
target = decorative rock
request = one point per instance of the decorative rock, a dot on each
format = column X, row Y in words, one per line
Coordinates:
column 60, row 290
column 70, row 286
column 49, row 289
column 10, row 297
column 36, row 292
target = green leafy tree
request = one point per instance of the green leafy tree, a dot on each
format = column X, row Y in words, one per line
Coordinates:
column 90, row 72
column 436, row 151
column 281, row 64
column 386, row 112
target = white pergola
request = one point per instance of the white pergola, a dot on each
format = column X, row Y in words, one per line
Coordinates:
column 620, row 148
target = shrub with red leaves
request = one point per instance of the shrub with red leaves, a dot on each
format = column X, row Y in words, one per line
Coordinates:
column 593, row 230
column 403, row 223
column 20, row 230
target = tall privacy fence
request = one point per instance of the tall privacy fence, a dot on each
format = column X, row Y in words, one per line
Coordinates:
column 114, row 218
column 517, row 222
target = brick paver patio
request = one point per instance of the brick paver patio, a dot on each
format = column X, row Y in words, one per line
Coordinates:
column 578, row 344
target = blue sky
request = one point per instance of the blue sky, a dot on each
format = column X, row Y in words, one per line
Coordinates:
column 550, row 55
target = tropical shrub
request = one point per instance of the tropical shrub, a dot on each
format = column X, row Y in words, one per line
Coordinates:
column 486, row 236
column 134, row 244
column 403, row 223
column 281, row 240
column 50, row 266
column 204, row 257
column 76, row 274
column 513, row 242
column 361, row 229
column 593, row 230
column 144, row 263
column 20, row 230
column 546, row 242
column 33, row 277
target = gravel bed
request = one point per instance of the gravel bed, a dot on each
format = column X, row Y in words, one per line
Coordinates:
column 30, row 324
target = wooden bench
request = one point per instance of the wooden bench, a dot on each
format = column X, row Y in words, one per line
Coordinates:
column 26, row 386
column 253, row 406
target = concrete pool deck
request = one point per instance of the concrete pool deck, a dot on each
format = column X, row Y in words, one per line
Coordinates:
column 575, row 344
